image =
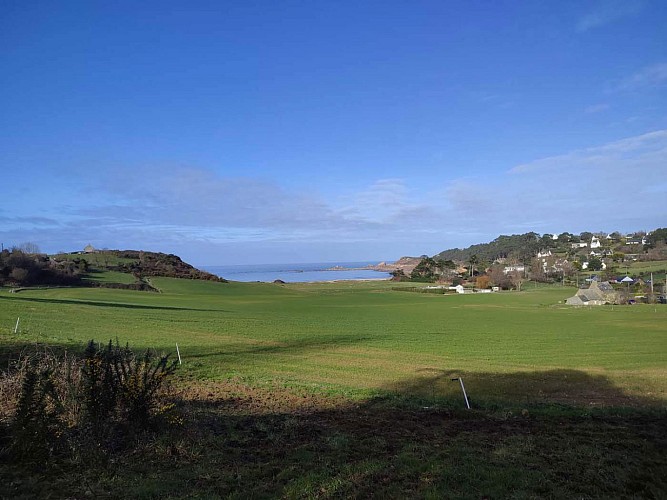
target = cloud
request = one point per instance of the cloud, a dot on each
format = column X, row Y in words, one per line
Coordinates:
column 201, row 205
column 613, row 186
column 651, row 76
column 610, row 185
column 29, row 221
column 596, row 108
column 195, row 197
column 384, row 202
column 606, row 12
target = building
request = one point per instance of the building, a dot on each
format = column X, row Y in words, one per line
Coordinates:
column 597, row 294
column 519, row 268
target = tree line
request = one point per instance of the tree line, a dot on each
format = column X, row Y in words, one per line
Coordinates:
column 20, row 268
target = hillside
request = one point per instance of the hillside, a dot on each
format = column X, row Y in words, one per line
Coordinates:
column 127, row 269
column 141, row 263
column 524, row 247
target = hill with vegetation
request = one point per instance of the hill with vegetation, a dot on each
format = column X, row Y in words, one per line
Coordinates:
column 141, row 263
column 129, row 269
column 523, row 247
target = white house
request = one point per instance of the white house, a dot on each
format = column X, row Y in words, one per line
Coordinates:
column 581, row 244
column 517, row 268
column 595, row 242
column 544, row 253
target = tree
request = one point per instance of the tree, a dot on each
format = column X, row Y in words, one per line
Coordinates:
column 19, row 274
column 657, row 236
column 398, row 275
column 482, row 281
column 546, row 241
column 473, row 260
column 424, row 271
column 28, row 247
column 618, row 256
column 568, row 268
column 594, row 264
column 517, row 279
column 537, row 270
column 499, row 278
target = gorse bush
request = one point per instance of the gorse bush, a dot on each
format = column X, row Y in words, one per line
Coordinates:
column 119, row 384
column 65, row 403
column 35, row 428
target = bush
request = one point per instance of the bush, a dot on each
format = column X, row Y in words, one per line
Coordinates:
column 35, row 425
column 119, row 385
column 53, row 403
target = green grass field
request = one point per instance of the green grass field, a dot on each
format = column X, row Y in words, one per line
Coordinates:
column 361, row 338
column 343, row 390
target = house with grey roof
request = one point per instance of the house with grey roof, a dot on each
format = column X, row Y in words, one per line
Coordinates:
column 597, row 294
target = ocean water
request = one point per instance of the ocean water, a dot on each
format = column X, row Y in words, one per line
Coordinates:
column 297, row 273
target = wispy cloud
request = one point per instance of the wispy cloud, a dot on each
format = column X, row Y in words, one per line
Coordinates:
column 654, row 75
column 610, row 186
column 596, row 108
column 592, row 188
column 29, row 221
column 387, row 203
column 608, row 11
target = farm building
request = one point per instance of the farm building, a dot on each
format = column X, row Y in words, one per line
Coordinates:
column 597, row 294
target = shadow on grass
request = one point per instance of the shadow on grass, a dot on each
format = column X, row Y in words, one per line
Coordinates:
column 412, row 440
column 300, row 346
column 108, row 304
column 564, row 386
column 279, row 442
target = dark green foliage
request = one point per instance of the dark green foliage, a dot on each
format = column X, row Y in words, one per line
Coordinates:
column 657, row 236
column 398, row 275
column 88, row 406
column 594, row 264
column 430, row 269
column 19, row 268
column 520, row 246
column 35, row 428
column 118, row 384
column 158, row 264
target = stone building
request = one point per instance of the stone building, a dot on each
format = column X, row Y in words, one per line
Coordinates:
column 599, row 293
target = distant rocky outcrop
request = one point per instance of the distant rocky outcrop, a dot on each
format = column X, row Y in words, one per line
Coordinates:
column 405, row 264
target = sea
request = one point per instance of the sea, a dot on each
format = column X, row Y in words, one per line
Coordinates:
column 298, row 273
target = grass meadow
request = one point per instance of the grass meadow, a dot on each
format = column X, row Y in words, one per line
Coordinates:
column 360, row 338
column 344, row 389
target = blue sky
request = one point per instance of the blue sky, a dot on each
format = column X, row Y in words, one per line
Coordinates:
column 304, row 131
